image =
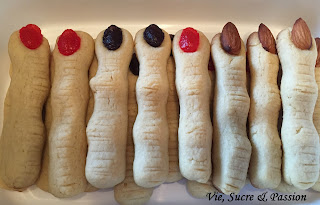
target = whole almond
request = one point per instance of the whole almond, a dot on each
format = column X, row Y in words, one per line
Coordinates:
column 301, row 35
column 230, row 39
column 266, row 39
column 318, row 49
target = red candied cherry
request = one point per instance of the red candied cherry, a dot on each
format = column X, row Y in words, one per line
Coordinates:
column 68, row 42
column 31, row 36
column 189, row 40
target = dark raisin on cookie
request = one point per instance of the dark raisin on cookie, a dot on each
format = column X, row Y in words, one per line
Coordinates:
column 112, row 38
column 134, row 65
column 153, row 35
column 171, row 37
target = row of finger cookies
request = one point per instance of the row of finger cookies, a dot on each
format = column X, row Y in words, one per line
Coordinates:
column 297, row 151
column 133, row 145
column 79, row 157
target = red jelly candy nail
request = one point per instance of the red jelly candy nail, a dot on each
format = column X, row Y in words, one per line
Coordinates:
column 31, row 36
column 189, row 40
column 68, row 42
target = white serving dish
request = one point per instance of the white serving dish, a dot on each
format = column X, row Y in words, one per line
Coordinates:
column 94, row 16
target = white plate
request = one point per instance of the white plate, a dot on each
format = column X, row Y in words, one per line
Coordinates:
column 94, row 16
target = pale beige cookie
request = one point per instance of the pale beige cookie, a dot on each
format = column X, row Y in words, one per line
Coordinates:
column 107, row 127
column 4, row 186
column 194, row 87
column 200, row 190
column 231, row 146
column 42, row 182
column 67, row 146
column 150, row 130
column 316, row 114
column 173, row 123
column 265, row 103
column 128, row 192
column 23, row 132
column 92, row 72
column 299, row 91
